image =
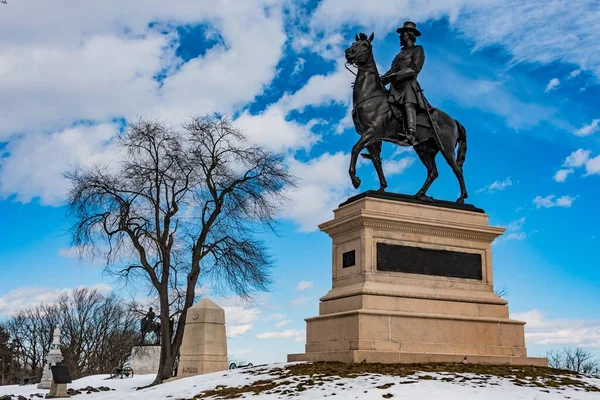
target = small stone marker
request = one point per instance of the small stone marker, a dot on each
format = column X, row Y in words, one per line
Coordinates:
column 54, row 357
column 204, row 347
column 60, row 378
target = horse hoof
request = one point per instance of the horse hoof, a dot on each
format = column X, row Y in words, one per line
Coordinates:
column 382, row 189
column 460, row 200
column 355, row 182
column 423, row 197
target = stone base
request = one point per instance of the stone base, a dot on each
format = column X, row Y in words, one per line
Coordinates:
column 377, row 336
column 384, row 357
column 429, row 299
column 145, row 359
column 58, row 391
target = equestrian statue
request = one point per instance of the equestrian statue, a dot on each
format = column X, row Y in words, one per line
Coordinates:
column 149, row 325
column 401, row 115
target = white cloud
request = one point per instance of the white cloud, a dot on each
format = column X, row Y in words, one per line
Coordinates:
column 304, row 285
column 397, row 167
column 26, row 297
column 592, row 166
column 237, row 330
column 514, row 231
column 574, row 73
column 240, row 315
column 274, row 317
column 35, row 162
column 562, row 174
column 577, row 158
column 553, row 84
column 51, row 78
column 553, row 201
column 282, row 323
column 588, row 129
column 295, row 335
column 318, row 192
column 564, row 332
column 569, row 38
column 321, row 90
column 271, row 129
column 496, row 186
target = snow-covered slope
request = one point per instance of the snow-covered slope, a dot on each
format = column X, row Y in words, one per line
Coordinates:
column 278, row 381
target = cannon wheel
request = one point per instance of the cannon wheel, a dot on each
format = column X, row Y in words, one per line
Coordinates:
column 127, row 372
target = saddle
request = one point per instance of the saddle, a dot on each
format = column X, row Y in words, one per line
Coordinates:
column 422, row 120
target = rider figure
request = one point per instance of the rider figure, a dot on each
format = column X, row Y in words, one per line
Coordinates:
column 405, row 90
column 150, row 315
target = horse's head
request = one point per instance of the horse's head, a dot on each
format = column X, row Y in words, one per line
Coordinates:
column 361, row 51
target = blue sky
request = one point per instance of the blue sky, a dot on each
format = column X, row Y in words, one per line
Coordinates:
column 522, row 77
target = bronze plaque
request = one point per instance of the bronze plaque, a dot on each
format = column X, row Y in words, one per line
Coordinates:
column 419, row 260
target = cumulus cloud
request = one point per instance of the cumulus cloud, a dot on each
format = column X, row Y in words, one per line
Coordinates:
column 317, row 192
column 574, row 73
column 553, row 201
column 592, row 166
column 237, row 330
column 295, row 335
column 588, row 129
column 304, row 285
column 51, row 79
column 541, row 330
column 496, row 186
column 26, row 297
column 553, row 84
column 282, row 323
column 576, row 159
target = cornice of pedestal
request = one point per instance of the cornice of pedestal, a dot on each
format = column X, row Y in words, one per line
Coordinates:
column 365, row 218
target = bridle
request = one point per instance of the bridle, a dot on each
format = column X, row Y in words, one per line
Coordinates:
column 346, row 64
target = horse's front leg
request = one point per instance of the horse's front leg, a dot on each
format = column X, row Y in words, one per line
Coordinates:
column 356, row 149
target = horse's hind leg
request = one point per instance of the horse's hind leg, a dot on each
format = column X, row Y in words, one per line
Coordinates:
column 448, row 154
column 427, row 152
column 375, row 156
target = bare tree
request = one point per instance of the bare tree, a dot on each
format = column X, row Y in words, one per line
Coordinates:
column 98, row 331
column 183, row 205
column 574, row 359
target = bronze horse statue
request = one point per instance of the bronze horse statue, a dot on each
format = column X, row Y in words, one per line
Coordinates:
column 375, row 122
column 148, row 325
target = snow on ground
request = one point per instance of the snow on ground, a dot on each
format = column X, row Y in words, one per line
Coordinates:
column 449, row 386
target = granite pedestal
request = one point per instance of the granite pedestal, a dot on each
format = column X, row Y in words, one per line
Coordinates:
column 412, row 282
column 204, row 346
column 145, row 359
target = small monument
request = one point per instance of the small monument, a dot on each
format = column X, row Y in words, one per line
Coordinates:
column 53, row 358
column 145, row 358
column 204, row 347
column 60, row 378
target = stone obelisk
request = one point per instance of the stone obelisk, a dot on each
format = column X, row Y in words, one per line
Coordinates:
column 54, row 357
column 204, row 347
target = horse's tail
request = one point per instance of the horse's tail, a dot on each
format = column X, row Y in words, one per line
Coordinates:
column 461, row 142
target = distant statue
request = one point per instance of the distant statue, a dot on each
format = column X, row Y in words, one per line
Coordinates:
column 401, row 115
column 149, row 325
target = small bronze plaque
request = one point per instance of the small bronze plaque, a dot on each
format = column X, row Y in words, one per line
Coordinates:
column 349, row 259
column 60, row 374
column 419, row 260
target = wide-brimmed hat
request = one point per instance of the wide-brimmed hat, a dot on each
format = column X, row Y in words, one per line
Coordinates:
column 410, row 27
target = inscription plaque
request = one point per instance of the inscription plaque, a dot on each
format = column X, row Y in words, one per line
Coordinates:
column 60, row 374
column 419, row 260
column 349, row 259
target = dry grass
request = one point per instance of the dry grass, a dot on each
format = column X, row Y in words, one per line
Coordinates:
column 291, row 380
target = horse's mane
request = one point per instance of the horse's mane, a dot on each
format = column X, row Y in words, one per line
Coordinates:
column 363, row 36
